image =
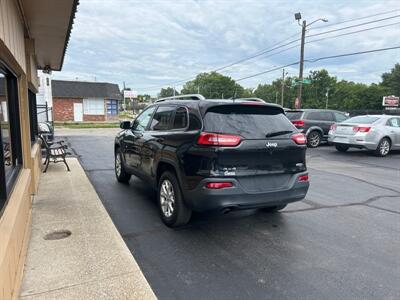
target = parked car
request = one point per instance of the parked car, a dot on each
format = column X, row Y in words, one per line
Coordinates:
column 213, row 155
column 377, row 133
column 315, row 123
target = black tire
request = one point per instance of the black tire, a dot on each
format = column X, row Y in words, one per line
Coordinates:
column 341, row 148
column 274, row 208
column 314, row 139
column 383, row 148
column 120, row 173
column 179, row 214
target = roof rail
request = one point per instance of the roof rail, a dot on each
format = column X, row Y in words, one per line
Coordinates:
column 251, row 99
column 183, row 97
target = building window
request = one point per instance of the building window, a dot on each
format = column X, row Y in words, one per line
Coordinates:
column 93, row 106
column 33, row 122
column 10, row 134
column 112, row 107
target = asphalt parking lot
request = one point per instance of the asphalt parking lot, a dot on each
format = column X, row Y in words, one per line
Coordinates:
column 341, row 242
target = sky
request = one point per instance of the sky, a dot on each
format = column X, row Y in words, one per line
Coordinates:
column 155, row 43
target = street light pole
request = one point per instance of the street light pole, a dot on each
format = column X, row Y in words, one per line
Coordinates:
column 300, row 86
column 327, row 98
column 304, row 26
column 283, row 85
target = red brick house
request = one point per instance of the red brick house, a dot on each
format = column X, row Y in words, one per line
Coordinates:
column 85, row 101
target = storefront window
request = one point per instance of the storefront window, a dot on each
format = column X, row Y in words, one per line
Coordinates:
column 10, row 134
column 5, row 127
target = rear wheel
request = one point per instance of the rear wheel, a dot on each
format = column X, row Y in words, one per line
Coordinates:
column 314, row 139
column 383, row 147
column 274, row 208
column 120, row 173
column 173, row 209
column 341, row 148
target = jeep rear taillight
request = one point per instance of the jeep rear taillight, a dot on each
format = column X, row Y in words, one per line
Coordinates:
column 299, row 138
column 219, row 185
column 217, row 139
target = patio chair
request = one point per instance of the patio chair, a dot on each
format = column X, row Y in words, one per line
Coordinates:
column 55, row 152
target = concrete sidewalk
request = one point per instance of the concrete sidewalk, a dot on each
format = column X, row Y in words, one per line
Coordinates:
column 91, row 263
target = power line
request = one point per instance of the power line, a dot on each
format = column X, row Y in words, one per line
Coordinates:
column 278, row 45
column 334, row 36
column 318, row 59
column 352, row 26
column 357, row 19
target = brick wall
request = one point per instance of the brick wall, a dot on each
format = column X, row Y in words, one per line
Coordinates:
column 63, row 109
column 94, row 118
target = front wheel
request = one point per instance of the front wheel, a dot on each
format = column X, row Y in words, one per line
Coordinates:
column 383, row 147
column 173, row 210
column 314, row 139
column 120, row 173
column 341, row 148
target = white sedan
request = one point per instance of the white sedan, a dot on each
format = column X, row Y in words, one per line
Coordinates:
column 377, row 133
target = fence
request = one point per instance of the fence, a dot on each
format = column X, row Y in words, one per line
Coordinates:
column 45, row 113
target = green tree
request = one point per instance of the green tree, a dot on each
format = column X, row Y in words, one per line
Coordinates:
column 391, row 80
column 214, row 86
column 167, row 92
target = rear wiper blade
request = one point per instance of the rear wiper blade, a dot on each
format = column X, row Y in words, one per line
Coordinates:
column 276, row 133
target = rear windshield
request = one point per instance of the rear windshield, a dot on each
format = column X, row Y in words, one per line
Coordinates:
column 294, row 115
column 362, row 120
column 252, row 122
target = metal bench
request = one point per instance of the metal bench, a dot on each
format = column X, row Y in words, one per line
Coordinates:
column 7, row 154
column 55, row 152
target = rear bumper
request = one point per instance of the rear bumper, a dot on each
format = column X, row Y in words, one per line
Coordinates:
column 356, row 141
column 203, row 199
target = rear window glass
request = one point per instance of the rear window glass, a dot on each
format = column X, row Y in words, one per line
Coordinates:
column 252, row 122
column 362, row 120
column 294, row 115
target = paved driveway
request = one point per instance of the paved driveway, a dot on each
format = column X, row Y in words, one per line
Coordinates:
column 341, row 242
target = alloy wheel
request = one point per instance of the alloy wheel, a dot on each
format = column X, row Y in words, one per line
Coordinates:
column 118, row 166
column 384, row 147
column 167, row 198
column 314, row 139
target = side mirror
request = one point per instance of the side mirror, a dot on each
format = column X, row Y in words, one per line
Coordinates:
column 125, row 125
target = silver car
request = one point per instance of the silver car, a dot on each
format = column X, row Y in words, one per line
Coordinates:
column 378, row 133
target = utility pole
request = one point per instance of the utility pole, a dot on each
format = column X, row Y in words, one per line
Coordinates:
column 304, row 26
column 283, row 85
column 123, row 95
column 300, row 83
column 276, row 97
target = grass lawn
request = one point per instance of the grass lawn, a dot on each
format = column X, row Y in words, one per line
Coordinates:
column 86, row 125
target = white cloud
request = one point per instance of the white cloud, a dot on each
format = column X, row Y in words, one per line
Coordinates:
column 156, row 42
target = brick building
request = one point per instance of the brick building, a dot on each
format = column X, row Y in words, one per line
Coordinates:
column 85, row 101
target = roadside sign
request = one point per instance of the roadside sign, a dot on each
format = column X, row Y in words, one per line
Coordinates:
column 297, row 82
column 130, row 94
column 390, row 101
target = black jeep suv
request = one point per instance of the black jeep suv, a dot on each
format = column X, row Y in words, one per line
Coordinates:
column 213, row 155
column 315, row 123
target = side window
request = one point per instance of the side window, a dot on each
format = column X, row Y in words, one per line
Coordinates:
column 394, row 122
column 340, row 117
column 327, row 116
column 143, row 119
column 194, row 122
column 180, row 119
column 314, row 116
column 162, row 118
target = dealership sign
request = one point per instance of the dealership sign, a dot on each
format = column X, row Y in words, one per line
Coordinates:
column 391, row 101
column 130, row 94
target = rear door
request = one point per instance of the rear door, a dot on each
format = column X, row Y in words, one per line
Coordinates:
column 266, row 157
column 321, row 119
column 394, row 129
